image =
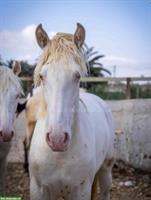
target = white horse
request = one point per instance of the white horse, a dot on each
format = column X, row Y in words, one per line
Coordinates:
column 73, row 139
column 32, row 107
column 10, row 89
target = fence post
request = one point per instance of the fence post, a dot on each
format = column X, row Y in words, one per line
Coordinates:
column 137, row 91
column 128, row 88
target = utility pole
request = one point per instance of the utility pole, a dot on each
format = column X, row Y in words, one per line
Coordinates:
column 114, row 71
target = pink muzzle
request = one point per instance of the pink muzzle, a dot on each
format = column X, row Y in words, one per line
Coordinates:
column 6, row 136
column 57, row 142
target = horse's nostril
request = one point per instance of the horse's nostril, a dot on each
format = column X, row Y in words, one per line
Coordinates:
column 0, row 133
column 66, row 137
column 12, row 133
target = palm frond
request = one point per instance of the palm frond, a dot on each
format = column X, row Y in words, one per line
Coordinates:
column 91, row 54
column 95, row 68
column 96, row 64
column 96, row 58
column 106, row 70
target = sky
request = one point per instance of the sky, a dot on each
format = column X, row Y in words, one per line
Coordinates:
column 119, row 29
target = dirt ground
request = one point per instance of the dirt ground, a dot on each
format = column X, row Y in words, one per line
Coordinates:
column 128, row 183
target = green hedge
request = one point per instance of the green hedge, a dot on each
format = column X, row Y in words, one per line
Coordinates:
column 136, row 92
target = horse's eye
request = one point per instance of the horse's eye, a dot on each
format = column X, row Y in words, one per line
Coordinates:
column 76, row 76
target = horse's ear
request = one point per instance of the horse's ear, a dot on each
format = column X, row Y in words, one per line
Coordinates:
column 79, row 35
column 16, row 67
column 41, row 36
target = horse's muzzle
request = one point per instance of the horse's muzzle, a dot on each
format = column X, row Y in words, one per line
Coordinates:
column 58, row 143
column 6, row 136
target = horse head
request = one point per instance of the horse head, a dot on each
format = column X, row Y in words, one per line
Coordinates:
column 59, row 71
column 10, row 90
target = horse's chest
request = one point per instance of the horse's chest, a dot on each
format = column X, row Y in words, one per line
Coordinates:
column 62, row 173
column 64, row 179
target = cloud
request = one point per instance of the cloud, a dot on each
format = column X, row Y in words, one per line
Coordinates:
column 127, row 66
column 51, row 34
column 12, row 40
column 24, row 57
column 20, row 45
column 113, row 58
column 29, row 32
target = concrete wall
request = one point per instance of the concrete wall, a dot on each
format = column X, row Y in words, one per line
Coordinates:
column 133, row 137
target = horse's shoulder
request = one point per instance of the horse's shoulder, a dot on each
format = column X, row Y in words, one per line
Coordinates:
column 91, row 100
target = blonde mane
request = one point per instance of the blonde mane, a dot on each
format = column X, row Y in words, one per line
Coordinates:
column 7, row 78
column 60, row 48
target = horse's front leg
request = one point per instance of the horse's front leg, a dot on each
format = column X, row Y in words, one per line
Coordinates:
column 26, row 149
column 94, row 190
column 27, row 141
column 105, row 179
column 37, row 192
column 2, row 176
column 82, row 192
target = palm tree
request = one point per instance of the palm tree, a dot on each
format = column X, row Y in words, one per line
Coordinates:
column 1, row 61
column 27, row 69
column 95, row 68
column 9, row 63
